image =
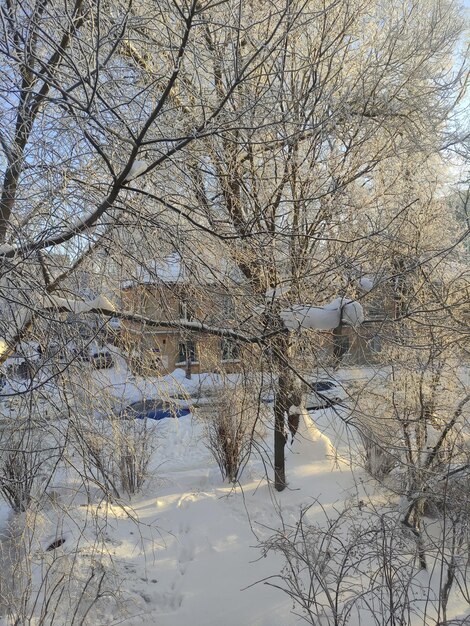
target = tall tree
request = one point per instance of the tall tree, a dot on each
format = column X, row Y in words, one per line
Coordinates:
column 292, row 188
column 263, row 126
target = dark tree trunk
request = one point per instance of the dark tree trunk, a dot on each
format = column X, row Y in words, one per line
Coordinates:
column 288, row 398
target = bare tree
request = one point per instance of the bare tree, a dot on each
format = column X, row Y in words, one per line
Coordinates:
column 291, row 189
column 269, row 141
column 267, row 132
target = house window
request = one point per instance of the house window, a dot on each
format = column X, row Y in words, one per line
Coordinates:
column 228, row 306
column 230, row 350
column 187, row 351
column 155, row 357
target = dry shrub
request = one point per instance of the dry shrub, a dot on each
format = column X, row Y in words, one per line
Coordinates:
column 137, row 443
column 379, row 458
column 116, row 454
column 52, row 581
column 27, row 461
column 362, row 565
column 232, row 426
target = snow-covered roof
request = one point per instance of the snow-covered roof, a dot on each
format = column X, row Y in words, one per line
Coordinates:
column 52, row 301
column 201, row 265
column 169, row 271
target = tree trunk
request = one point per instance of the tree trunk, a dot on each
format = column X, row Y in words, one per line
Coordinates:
column 288, row 398
column 279, row 444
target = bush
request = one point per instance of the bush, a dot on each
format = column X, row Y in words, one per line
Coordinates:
column 56, row 581
column 379, row 460
column 116, row 454
column 231, row 428
column 136, row 445
column 362, row 565
column 22, row 458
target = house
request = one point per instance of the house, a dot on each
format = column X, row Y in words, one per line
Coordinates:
column 173, row 289
column 163, row 291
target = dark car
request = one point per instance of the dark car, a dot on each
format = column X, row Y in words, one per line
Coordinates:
column 154, row 409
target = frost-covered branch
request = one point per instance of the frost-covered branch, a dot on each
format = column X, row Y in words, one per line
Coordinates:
column 101, row 305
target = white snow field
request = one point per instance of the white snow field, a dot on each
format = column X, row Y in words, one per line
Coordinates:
column 186, row 550
column 201, row 558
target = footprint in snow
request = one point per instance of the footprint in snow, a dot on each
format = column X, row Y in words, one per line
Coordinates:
column 184, row 528
column 186, row 551
column 168, row 600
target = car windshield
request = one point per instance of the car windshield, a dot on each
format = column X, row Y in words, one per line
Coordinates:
column 322, row 385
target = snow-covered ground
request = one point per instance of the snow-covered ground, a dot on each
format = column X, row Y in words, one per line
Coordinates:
column 188, row 549
column 185, row 550
column 199, row 561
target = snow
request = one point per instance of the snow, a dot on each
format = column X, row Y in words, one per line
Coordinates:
column 276, row 292
column 198, row 261
column 3, row 346
column 205, row 571
column 169, row 270
column 101, row 302
column 319, row 318
column 138, row 167
column 192, row 558
column 325, row 317
column 352, row 313
column 125, row 389
column 366, row 283
column 115, row 323
column 294, row 410
column 69, row 304
column 77, row 306
column 5, row 248
column 186, row 550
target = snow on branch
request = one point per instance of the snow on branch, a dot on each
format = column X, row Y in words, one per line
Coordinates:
column 277, row 292
column 6, row 248
column 4, row 347
column 328, row 317
column 199, row 327
column 138, row 167
column 96, row 305
column 366, row 283
column 101, row 305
